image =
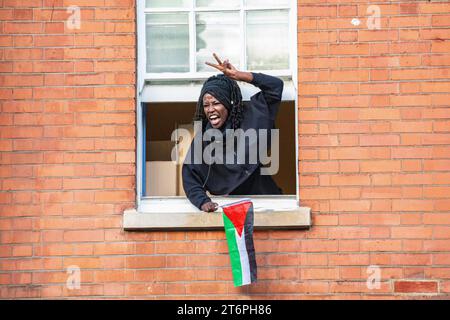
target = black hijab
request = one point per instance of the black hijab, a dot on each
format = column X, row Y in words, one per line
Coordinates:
column 227, row 91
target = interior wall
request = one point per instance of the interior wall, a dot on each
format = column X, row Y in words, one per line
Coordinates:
column 286, row 177
column 162, row 118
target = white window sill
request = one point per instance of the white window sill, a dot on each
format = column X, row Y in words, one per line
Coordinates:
column 271, row 212
column 190, row 92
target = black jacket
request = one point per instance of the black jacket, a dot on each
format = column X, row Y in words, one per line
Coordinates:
column 223, row 179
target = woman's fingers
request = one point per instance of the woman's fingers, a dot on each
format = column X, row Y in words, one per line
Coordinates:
column 226, row 67
column 214, row 65
column 210, row 207
column 230, row 66
column 205, row 207
column 217, row 59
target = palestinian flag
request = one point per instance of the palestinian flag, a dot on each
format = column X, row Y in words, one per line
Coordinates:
column 238, row 223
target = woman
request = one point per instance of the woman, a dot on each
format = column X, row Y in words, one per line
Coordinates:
column 220, row 107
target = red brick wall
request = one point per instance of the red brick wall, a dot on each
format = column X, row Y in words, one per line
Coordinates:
column 374, row 160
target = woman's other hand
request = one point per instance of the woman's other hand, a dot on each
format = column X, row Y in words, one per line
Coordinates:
column 229, row 70
column 209, row 207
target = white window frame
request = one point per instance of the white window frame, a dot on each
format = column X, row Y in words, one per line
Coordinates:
column 191, row 75
column 145, row 94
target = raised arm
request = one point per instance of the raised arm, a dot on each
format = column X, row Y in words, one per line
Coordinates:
column 271, row 87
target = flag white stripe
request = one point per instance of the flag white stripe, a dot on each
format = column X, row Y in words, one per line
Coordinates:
column 243, row 255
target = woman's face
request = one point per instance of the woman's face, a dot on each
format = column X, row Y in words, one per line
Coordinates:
column 215, row 112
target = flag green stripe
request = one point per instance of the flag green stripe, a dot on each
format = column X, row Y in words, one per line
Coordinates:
column 234, row 251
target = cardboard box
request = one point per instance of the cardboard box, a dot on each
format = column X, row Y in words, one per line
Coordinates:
column 184, row 144
column 161, row 172
column 183, row 148
column 161, row 178
column 164, row 177
column 159, row 150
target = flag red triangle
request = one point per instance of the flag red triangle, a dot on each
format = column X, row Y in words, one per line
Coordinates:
column 237, row 214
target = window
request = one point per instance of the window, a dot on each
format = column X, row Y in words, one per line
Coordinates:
column 175, row 38
column 180, row 35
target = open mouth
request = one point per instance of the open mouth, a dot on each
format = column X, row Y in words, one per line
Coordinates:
column 214, row 119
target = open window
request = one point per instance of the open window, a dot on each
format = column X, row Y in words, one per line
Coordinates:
column 175, row 38
column 163, row 176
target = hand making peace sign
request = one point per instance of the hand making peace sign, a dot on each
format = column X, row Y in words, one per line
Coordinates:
column 229, row 70
column 226, row 67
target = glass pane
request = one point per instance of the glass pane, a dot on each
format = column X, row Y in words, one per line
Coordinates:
column 167, row 41
column 217, row 3
column 268, row 40
column 167, row 3
column 266, row 3
column 217, row 32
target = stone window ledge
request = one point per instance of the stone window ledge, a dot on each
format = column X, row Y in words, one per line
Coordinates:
column 298, row 218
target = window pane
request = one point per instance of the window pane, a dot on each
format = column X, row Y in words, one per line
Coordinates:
column 266, row 3
column 217, row 32
column 218, row 3
column 268, row 40
column 167, row 3
column 167, row 41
